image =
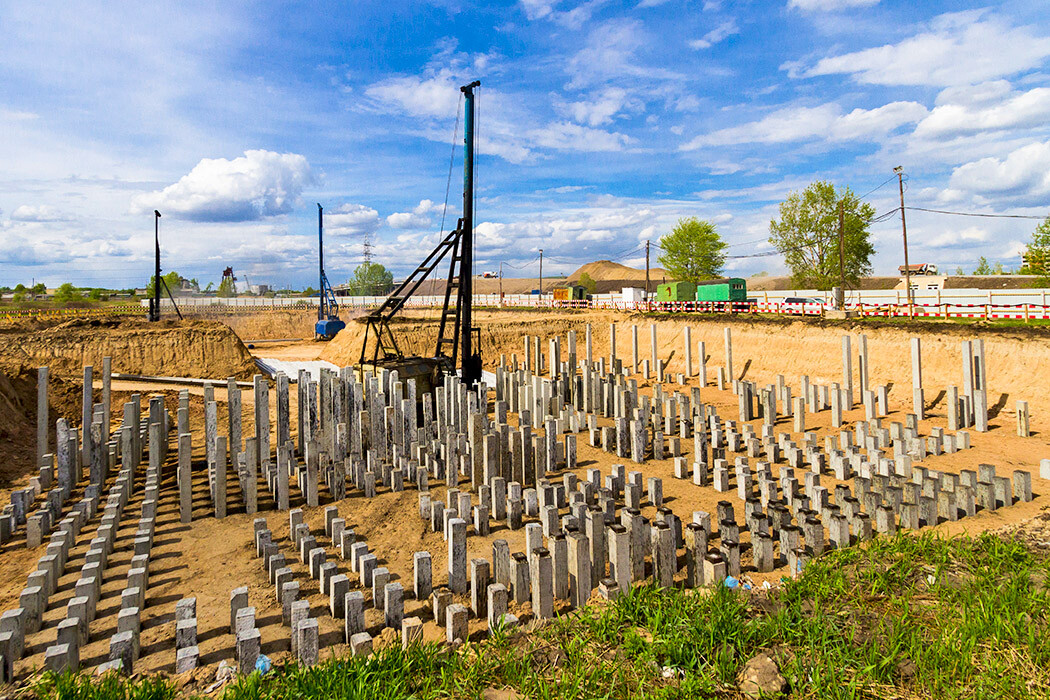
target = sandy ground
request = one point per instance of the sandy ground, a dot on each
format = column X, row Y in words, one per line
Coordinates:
column 209, row 558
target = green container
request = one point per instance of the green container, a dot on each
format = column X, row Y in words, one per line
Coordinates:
column 676, row 291
column 729, row 289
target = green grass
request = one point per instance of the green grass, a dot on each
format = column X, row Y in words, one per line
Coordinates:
column 904, row 617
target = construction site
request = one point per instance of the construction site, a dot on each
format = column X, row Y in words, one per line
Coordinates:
column 218, row 497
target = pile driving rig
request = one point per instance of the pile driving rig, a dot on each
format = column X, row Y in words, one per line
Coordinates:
column 328, row 322
column 458, row 341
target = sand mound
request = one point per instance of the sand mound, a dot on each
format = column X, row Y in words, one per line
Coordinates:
column 196, row 348
column 18, row 419
column 602, row 270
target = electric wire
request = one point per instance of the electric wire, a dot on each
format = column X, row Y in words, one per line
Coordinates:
column 988, row 216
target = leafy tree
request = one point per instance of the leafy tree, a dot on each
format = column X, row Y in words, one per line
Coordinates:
column 227, row 288
column 807, row 235
column 95, row 295
column 999, row 269
column 983, row 268
column 67, row 293
column 211, row 286
column 18, row 296
column 959, row 271
column 310, row 292
column 588, row 283
column 20, row 287
column 1037, row 254
column 38, row 289
column 370, row 279
column 693, row 251
column 171, row 279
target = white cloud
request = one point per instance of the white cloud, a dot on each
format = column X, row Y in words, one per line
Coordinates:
column 1020, row 110
column 564, row 136
column 829, row 5
column 1024, row 174
column 719, row 33
column 601, row 106
column 610, row 53
column 351, row 219
column 538, row 9
column 822, row 122
column 251, row 187
column 959, row 48
column 415, row 219
column 971, row 237
column 433, row 96
column 41, row 213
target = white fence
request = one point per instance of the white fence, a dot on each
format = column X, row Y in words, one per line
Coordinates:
column 951, row 303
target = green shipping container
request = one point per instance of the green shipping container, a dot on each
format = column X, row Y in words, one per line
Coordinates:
column 731, row 289
column 676, row 291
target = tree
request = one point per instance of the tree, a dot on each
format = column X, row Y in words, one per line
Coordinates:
column 693, row 251
column 95, row 294
column 983, row 268
column 370, row 279
column 38, row 289
column 807, row 235
column 20, row 288
column 588, row 283
column 1037, row 254
column 959, row 271
column 67, row 293
column 227, row 288
column 171, row 279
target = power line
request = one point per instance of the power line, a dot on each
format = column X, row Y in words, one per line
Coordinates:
column 879, row 187
column 988, row 216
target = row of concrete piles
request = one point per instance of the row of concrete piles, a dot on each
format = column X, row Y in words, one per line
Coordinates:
column 364, row 435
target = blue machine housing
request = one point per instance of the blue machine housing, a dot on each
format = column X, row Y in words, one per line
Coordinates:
column 327, row 327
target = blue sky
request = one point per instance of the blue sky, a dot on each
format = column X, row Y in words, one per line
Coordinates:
column 601, row 123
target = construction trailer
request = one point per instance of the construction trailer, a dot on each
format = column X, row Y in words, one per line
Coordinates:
column 573, row 292
column 732, row 289
column 676, row 291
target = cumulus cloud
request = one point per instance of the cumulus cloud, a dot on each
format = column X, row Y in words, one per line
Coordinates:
column 972, row 237
column 1024, row 173
column 415, row 219
column 719, row 33
column 829, row 5
column 822, row 122
column 41, row 213
column 435, row 95
column 575, row 137
column 257, row 185
column 1020, row 110
column 600, row 106
column 958, row 48
column 351, row 219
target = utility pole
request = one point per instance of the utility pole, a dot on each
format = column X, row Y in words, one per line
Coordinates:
column 156, row 278
column 541, row 272
column 904, row 230
column 842, row 251
column 647, row 271
column 501, row 282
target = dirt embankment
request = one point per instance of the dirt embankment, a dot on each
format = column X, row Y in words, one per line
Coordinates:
column 192, row 348
column 271, row 325
column 1018, row 359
